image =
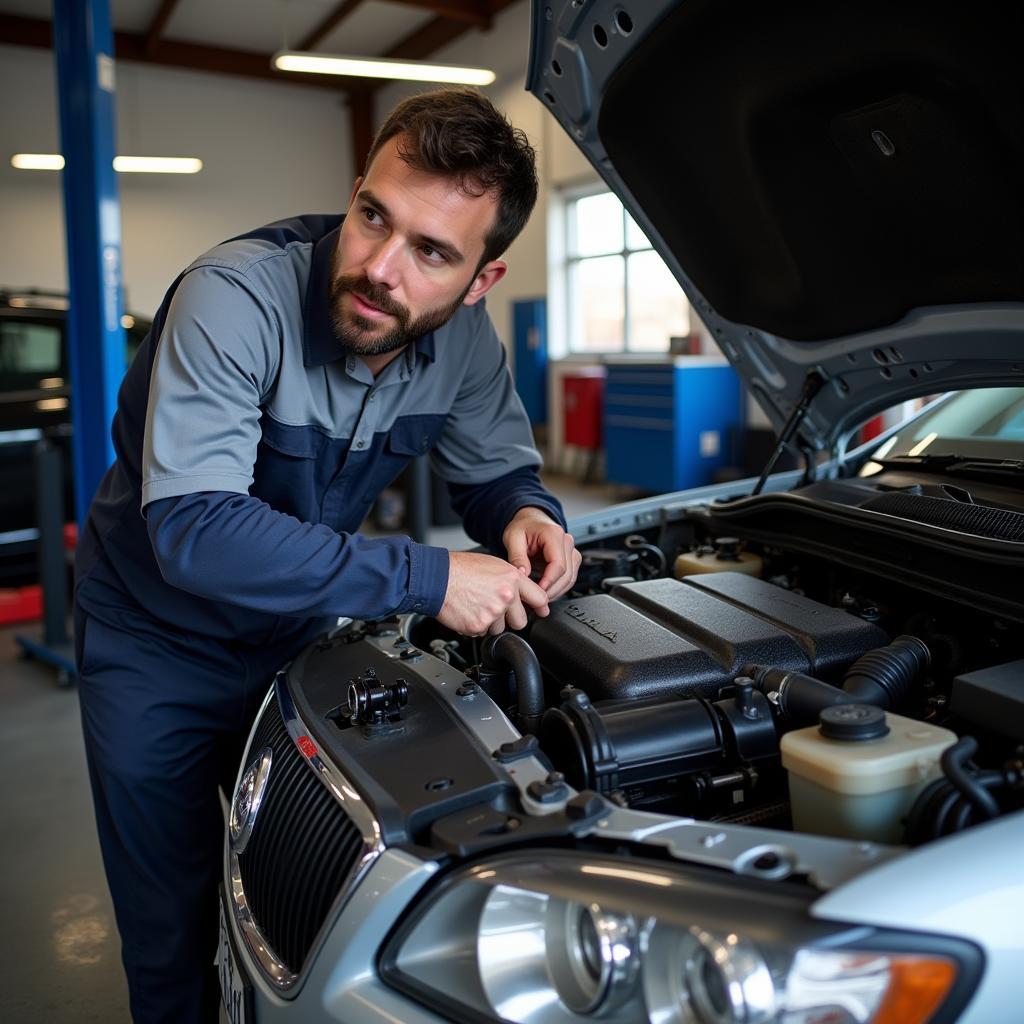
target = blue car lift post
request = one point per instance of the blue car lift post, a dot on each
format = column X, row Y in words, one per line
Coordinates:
column 83, row 48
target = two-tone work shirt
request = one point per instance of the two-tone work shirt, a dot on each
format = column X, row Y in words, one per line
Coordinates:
column 250, row 447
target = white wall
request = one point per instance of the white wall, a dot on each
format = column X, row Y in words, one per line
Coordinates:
column 269, row 151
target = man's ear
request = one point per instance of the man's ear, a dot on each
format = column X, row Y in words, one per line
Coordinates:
column 486, row 278
column 355, row 189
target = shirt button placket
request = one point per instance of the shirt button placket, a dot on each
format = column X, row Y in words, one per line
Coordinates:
column 365, row 424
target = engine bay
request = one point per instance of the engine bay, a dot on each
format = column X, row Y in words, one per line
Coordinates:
column 709, row 677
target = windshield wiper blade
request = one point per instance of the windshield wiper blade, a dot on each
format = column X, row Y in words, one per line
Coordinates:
column 955, row 463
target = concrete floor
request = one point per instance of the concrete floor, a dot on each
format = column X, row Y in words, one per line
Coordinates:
column 59, row 950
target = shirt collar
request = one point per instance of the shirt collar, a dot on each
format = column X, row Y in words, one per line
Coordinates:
column 424, row 346
column 319, row 345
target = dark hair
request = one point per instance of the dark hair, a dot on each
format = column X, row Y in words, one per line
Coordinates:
column 459, row 133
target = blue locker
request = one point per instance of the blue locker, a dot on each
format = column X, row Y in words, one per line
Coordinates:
column 529, row 324
column 667, row 426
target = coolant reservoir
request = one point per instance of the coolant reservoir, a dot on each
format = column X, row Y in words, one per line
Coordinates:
column 726, row 556
column 857, row 774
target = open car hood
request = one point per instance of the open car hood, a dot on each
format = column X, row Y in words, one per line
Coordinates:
column 836, row 186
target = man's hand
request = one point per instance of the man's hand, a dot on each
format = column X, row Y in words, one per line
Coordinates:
column 534, row 540
column 486, row 594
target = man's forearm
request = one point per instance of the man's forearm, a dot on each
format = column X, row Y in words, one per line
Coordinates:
column 206, row 544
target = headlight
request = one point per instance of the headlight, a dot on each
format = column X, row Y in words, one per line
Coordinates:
column 561, row 937
column 585, row 956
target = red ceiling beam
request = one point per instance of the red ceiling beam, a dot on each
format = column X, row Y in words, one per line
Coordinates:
column 157, row 26
column 428, row 39
column 21, row 31
column 360, row 108
column 472, row 12
column 438, row 32
column 131, row 46
column 329, row 24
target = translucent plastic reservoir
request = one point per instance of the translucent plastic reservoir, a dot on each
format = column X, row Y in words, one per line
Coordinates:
column 726, row 556
column 861, row 789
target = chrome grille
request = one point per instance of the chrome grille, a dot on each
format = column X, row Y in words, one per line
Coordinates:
column 302, row 850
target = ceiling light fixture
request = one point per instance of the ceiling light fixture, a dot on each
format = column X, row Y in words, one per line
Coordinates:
column 374, row 67
column 124, row 164
column 37, row 161
column 158, row 164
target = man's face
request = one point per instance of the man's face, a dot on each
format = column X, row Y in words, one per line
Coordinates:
column 408, row 256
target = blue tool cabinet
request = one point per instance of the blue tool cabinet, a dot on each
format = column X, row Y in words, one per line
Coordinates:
column 529, row 325
column 668, row 425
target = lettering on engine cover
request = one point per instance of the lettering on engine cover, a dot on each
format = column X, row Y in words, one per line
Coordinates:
column 581, row 616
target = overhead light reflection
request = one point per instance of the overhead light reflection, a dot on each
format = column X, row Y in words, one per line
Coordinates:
column 52, row 404
column 887, row 447
column 919, row 448
column 633, row 876
column 38, row 302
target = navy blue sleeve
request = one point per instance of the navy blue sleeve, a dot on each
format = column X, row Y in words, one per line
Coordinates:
column 236, row 548
column 486, row 509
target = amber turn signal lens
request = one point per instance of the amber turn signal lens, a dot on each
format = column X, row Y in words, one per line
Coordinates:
column 916, row 990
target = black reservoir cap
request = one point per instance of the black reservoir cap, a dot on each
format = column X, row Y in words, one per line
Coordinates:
column 853, row 722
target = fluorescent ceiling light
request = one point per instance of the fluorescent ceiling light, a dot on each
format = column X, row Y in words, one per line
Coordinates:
column 373, row 67
column 124, row 164
column 37, row 161
column 158, row 164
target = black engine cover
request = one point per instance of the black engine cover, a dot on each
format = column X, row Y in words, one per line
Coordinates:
column 693, row 636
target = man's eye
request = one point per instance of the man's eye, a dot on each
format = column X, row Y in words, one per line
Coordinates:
column 371, row 216
column 432, row 255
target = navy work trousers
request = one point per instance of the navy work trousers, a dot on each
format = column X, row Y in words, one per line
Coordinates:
column 165, row 718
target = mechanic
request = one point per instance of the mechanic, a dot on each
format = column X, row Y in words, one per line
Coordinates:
column 289, row 376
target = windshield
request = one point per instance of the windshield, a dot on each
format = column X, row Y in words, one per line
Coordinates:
column 987, row 423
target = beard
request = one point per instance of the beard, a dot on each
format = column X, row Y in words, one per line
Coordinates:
column 365, row 337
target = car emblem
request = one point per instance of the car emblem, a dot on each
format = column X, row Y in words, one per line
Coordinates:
column 247, row 799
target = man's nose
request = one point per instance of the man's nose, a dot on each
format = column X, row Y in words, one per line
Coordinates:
column 384, row 265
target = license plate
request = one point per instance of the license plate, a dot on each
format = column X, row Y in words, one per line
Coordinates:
column 234, row 987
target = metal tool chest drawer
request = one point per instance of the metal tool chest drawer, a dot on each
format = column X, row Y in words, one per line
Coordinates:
column 668, row 425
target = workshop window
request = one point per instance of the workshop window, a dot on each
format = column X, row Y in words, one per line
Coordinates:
column 620, row 295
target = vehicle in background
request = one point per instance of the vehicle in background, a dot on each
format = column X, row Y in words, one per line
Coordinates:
column 35, row 402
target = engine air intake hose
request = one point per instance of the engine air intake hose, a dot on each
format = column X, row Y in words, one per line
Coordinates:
column 512, row 652
column 881, row 678
column 621, row 744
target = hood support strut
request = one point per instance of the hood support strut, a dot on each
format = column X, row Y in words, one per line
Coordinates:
column 813, row 383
